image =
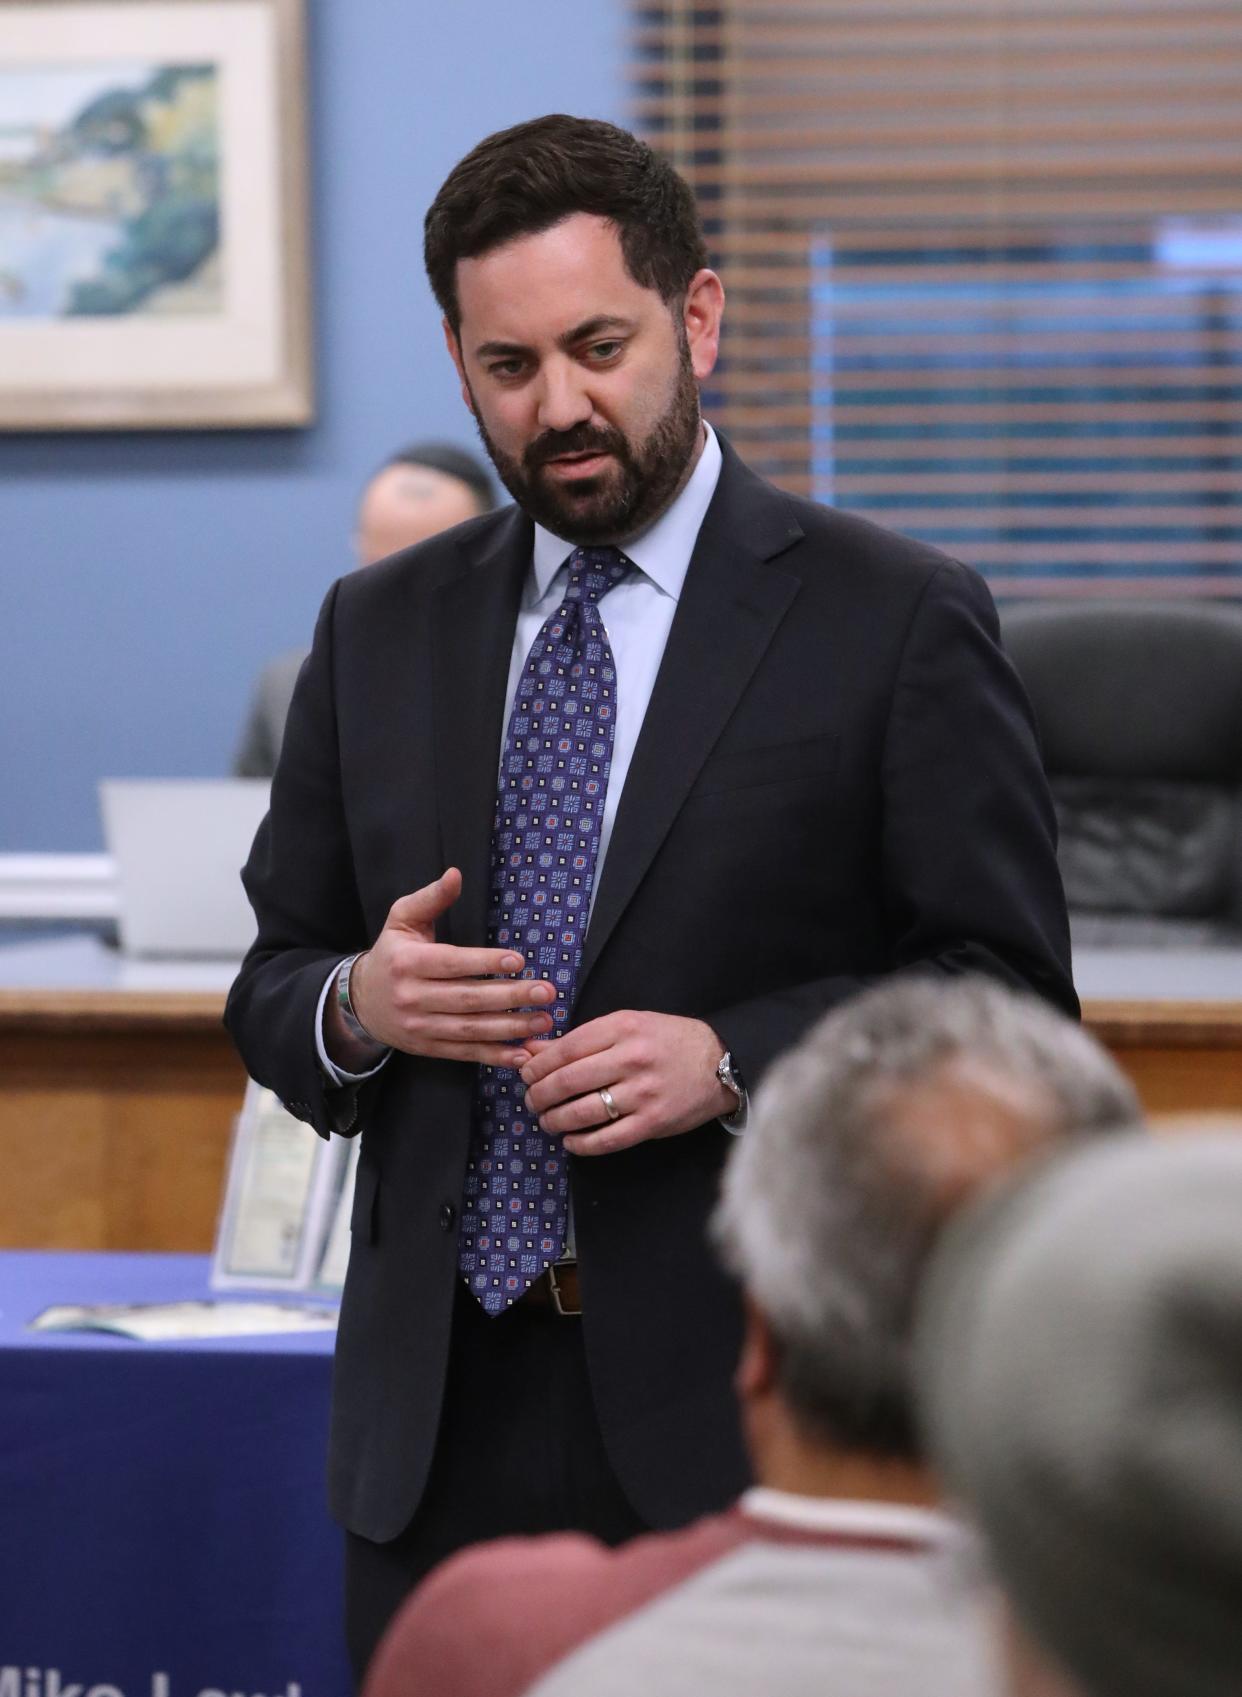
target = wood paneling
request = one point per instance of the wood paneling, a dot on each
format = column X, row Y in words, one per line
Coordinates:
column 115, row 1117
column 116, row 1109
column 1184, row 1058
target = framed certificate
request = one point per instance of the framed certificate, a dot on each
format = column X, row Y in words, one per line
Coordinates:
column 282, row 1191
column 335, row 1258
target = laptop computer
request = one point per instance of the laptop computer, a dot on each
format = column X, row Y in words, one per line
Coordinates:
column 179, row 845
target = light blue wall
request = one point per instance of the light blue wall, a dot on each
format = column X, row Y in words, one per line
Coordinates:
column 145, row 578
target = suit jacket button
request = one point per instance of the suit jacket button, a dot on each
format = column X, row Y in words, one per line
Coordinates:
column 448, row 1216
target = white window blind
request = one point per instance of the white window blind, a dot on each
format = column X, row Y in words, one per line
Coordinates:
column 984, row 266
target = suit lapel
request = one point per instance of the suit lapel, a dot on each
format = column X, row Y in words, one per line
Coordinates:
column 731, row 604
column 472, row 641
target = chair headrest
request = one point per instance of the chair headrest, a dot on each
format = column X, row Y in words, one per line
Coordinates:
column 1133, row 689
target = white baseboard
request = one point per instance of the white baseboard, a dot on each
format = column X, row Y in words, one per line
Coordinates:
column 57, row 886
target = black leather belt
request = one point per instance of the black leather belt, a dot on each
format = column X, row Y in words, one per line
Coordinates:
column 558, row 1289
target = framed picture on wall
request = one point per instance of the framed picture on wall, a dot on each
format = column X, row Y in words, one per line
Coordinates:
column 153, row 215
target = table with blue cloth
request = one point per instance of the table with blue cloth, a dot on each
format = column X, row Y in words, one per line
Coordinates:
column 163, row 1528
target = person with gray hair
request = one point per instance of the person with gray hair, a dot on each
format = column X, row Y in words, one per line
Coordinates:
column 885, row 1118
column 1080, row 1362
column 831, row 1574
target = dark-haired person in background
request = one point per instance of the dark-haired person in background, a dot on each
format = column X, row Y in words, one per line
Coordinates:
column 831, row 1575
column 770, row 751
column 416, row 493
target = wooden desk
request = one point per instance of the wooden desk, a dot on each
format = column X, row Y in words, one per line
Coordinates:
column 119, row 1088
column 1184, row 1057
column 1173, row 1019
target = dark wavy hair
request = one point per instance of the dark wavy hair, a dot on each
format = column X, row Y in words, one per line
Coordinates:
column 523, row 180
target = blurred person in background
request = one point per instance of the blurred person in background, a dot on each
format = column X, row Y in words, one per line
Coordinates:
column 416, row 493
column 1080, row 1363
column 832, row 1574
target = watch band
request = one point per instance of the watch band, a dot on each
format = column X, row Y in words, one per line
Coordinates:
column 352, row 1023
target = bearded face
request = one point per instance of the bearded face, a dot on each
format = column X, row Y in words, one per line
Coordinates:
column 583, row 382
column 594, row 483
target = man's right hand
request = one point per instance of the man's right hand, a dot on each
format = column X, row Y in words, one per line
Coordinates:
column 430, row 998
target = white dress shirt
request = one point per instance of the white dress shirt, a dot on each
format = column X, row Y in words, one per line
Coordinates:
column 852, row 1517
column 637, row 614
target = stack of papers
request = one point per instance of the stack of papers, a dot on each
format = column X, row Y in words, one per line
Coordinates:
column 158, row 1322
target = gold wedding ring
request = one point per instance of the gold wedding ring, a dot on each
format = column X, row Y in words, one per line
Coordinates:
column 610, row 1107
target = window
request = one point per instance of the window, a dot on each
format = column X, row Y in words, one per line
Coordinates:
column 984, row 266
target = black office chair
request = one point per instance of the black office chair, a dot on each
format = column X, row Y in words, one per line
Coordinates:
column 1139, row 705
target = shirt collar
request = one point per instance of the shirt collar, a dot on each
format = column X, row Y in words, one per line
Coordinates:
column 662, row 552
column 851, row 1517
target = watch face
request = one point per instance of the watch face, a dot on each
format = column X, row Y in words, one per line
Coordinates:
column 729, row 1074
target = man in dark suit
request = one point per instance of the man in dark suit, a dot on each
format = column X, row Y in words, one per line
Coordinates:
column 771, row 752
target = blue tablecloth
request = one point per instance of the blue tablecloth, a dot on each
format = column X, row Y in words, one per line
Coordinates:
column 162, row 1508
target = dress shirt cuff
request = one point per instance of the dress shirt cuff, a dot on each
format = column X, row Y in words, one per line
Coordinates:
column 337, row 1075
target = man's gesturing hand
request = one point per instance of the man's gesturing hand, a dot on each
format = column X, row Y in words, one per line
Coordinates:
column 659, row 1068
column 430, row 998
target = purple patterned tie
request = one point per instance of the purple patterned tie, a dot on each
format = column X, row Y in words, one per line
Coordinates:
column 545, row 844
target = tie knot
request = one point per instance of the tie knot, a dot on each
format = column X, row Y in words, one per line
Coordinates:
column 594, row 571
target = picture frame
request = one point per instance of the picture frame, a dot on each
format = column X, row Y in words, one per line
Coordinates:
column 280, row 1225
column 154, row 245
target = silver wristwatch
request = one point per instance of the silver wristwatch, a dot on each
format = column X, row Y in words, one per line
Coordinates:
column 352, row 1023
column 729, row 1074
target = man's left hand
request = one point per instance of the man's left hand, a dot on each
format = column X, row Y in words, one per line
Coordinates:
column 659, row 1069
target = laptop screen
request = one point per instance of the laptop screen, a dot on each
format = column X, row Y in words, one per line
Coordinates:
column 179, row 845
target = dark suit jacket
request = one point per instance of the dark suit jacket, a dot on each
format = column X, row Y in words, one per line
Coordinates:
column 837, row 778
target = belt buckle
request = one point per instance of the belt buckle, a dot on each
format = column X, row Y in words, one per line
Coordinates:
column 558, row 1299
